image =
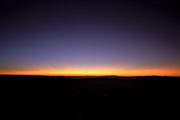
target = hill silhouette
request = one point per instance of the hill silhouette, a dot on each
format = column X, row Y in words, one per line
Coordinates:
column 89, row 85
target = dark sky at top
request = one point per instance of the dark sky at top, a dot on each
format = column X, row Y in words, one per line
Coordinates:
column 128, row 34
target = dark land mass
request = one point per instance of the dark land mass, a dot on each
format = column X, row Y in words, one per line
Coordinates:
column 87, row 97
column 90, row 86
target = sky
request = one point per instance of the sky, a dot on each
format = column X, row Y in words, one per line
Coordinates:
column 90, row 37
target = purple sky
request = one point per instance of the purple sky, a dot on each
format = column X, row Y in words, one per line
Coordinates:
column 128, row 34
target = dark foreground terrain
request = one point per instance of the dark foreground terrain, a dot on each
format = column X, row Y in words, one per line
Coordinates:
column 89, row 86
column 88, row 97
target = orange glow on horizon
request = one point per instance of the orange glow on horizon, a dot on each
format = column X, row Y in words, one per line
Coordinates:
column 96, row 72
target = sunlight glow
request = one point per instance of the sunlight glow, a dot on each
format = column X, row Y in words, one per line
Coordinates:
column 96, row 72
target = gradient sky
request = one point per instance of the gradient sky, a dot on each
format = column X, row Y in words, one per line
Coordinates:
column 90, row 37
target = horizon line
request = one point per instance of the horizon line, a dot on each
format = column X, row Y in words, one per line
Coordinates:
column 88, row 75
